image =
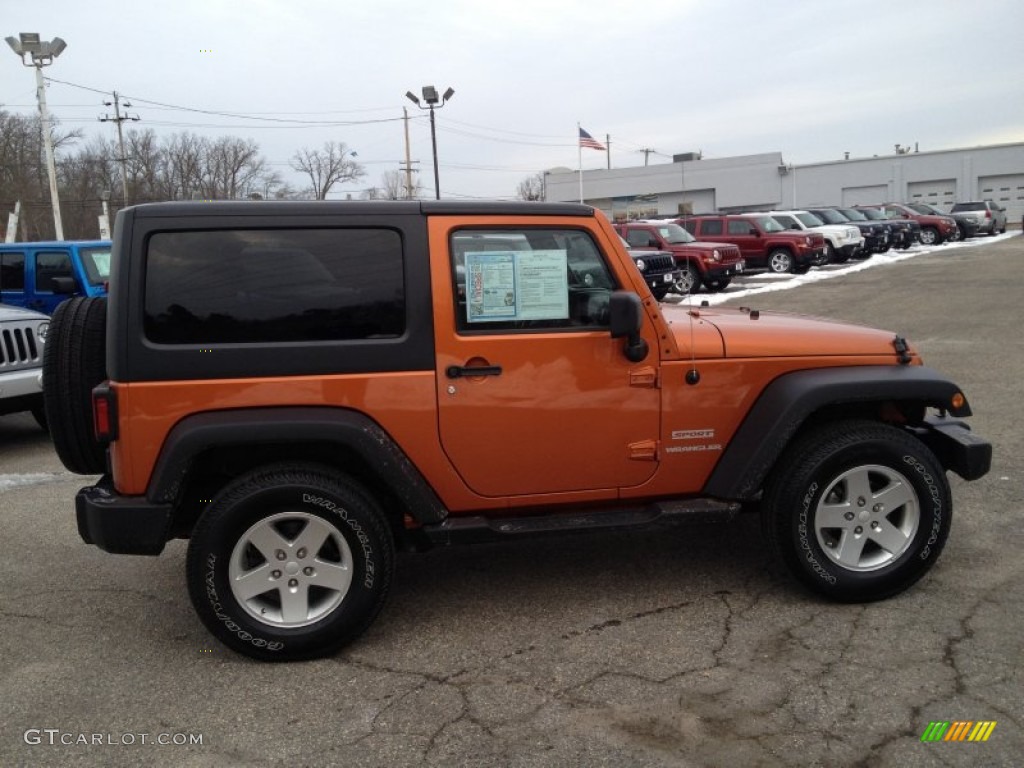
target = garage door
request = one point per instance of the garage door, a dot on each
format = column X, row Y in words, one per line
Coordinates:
column 1007, row 190
column 865, row 195
column 941, row 193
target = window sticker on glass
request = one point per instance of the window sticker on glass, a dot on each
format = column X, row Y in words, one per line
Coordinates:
column 516, row 285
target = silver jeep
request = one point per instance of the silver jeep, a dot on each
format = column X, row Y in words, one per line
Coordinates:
column 22, row 336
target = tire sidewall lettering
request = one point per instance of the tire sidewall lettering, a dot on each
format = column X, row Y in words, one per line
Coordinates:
column 369, row 569
column 936, row 505
column 802, row 531
column 228, row 621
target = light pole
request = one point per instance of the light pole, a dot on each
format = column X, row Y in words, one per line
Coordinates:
column 37, row 53
column 433, row 101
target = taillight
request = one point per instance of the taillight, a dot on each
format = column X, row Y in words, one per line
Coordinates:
column 104, row 413
column 988, row 214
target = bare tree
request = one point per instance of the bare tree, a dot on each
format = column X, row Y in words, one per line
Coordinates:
column 327, row 167
column 531, row 188
column 392, row 187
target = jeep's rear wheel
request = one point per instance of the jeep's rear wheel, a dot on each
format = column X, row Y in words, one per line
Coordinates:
column 859, row 510
column 74, row 362
column 780, row 261
column 290, row 562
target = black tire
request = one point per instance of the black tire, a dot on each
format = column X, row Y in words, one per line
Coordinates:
column 286, row 506
column 828, row 257
column 661, row 291
column 718, row 285
column 688, row 282
column 780, row 261
column 39, row 414
column 74, row 362
column 930, row 236
column 859, row 459
column 801, row 269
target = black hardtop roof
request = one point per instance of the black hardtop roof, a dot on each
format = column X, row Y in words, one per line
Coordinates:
column 357, row 207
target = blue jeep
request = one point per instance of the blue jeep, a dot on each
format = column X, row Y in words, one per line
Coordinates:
column 40, row 276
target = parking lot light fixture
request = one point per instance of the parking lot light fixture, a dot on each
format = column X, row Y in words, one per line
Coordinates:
column 37, row 53
column 433, row 101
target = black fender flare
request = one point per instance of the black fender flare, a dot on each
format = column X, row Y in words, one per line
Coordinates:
column 788, row 401
column 297, row 425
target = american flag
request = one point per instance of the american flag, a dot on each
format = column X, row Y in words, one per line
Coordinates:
column 588, row 141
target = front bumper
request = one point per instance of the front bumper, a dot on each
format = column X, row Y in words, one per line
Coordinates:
column 717, row 271
column 663, row 279
column 956, row 447
column 123, row 525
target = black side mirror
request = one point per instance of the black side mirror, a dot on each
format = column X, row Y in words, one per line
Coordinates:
column 626, row 316
column 64, row 285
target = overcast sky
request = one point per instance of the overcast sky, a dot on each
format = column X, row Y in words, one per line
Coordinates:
column 809, row 78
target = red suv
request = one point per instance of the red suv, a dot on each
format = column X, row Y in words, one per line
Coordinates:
column 712, row 265
column 761, row 239
column 934, row 229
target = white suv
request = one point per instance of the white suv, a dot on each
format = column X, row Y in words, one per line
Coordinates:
column 22, row 335
column 841, row 241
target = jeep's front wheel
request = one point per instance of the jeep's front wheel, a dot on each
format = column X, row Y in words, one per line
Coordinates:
column 290, row 562
column 780, row 261
column 688, row 282
column 859, row 510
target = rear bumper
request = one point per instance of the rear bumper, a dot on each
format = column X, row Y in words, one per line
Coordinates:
column 123, row 525
column 957, row 448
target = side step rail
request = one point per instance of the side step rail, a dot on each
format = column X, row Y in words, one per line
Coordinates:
column 478, row 528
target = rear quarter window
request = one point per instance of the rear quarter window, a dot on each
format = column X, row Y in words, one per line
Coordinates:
column 274, row 285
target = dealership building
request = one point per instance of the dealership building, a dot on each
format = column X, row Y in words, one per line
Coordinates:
column 691, row 184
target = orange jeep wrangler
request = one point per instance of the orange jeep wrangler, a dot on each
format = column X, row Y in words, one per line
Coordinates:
column 300, row 389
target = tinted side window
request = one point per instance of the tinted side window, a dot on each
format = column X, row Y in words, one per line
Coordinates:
column 529, row 279
column 49, row 266
column 713, row 227
column 257, row 286
column 739, row 227
column 639, row 238
column 12, row 271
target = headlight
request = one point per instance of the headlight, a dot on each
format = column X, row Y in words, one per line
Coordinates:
column 715, row 255
column 41, row 331
column 640, row 265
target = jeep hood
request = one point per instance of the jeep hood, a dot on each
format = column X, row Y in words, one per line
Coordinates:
column 742, row 333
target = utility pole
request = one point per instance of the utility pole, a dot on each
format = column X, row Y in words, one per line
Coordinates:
column 37, row 53
column 647, row 153
column 608, row 149
column 408, row 162
column 123, row 159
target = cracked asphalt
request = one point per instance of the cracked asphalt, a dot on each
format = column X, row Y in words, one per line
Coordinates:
column 679, row 648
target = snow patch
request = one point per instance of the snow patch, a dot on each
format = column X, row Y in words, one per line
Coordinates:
column 7, row 482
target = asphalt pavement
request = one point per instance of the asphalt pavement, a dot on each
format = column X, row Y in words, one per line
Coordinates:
column 687, row 648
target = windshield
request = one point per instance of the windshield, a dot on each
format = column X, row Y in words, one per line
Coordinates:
column 96, row 262
column 853, row 214
column 768, row 224
column 809, row 220
column 673, row 233
column 872, row 214
column 831, row 217
column 925, row 208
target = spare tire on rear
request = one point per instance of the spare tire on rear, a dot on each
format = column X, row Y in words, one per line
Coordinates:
column 74, row 362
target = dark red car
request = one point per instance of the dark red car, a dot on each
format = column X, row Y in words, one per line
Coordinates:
column 712, row 265
column 761, row 239
column 934, row 229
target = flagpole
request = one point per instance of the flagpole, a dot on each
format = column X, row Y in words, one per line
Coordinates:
column 579, row 158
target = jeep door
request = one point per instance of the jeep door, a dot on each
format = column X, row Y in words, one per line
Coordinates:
column 534, row 395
